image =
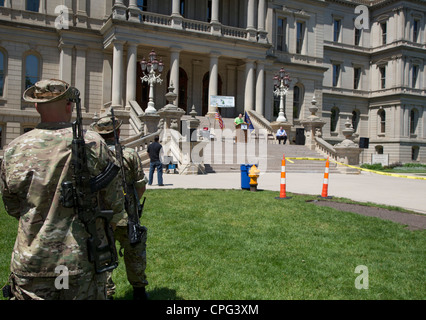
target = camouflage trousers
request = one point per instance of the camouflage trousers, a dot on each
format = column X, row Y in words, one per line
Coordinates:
column 90, row 286
column 134, row 260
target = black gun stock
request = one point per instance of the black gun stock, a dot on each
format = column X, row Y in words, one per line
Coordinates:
column 131, row 198
column 82, row 194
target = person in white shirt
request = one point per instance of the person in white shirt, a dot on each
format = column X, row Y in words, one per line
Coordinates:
column 281, row 135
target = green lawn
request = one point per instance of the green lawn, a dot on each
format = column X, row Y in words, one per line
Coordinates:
column 235, row 244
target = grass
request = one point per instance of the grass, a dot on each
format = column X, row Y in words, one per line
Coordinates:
column 235, row 244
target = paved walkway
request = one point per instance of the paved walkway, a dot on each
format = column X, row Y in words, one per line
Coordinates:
column 365, row 187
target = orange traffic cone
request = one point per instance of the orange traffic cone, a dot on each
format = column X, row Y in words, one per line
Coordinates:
column 324, row 193
column 283, row 194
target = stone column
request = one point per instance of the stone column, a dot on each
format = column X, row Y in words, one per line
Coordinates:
column 117, row 74
column 119, row 10
column 132, row 49
column 213, row 79
column 249, row 87
column 134, row 11
column 65, row 62
column 80, row 74
column 261, row 22
column 216, row 25
column 260, row 88
column 252, row 34
column 174, row 71
column 176, row 16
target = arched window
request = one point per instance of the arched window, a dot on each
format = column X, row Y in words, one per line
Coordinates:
column 334, row 119
column 382, row 120
column 379, row 149
column 355, row 119
column 2, row 72
column 32, row 70
column 414, row 119
column 297, row 101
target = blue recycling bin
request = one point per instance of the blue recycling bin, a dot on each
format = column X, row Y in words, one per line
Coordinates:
column 245, row 179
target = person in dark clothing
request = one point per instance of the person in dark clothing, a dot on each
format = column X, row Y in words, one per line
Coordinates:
column 155, row 161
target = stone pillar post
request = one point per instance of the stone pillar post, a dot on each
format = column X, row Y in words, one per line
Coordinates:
column 174, row 72
column 251, row 7
column 260, row 88
column 119, row 10
column 132, row 49
column 249, row 87
column 117, row 75
column 176, row 16
column 214, row 76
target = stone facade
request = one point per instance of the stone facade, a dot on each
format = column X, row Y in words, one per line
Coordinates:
column 374, row 73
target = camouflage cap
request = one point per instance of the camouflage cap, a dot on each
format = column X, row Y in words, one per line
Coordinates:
column 104, row 125
column 45, row 91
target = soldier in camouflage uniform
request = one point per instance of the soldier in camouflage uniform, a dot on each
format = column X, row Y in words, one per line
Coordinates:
column 50, row 235
column 134, row 255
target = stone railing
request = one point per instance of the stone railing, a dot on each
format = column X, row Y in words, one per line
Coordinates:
column 140, row 144
column 196, row 26
column 325, row 148
column 262, row 122
column 155, row 19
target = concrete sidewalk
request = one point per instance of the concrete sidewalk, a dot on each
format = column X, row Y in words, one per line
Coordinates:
column 365, row 187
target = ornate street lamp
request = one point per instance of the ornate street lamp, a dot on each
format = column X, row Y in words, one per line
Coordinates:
column 152, row 66
column 281, row 84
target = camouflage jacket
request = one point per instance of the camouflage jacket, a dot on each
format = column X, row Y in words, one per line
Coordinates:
column 135, row 176
column 33, row 168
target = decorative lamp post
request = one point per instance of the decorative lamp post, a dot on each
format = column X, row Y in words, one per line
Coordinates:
column 281, row 84
column 151, row 77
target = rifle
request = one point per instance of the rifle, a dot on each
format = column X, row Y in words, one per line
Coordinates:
column 82, row 194
column 132, row 204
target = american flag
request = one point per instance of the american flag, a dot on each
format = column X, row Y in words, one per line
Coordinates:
column 218, row 117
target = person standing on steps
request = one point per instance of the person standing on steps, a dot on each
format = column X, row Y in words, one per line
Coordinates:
column 154, row 150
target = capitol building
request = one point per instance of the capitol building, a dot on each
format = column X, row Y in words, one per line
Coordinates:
column 362, row 61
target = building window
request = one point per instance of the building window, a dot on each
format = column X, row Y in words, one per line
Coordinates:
column 382, row 121
column 299, row 36
column 334, row 119
column 182, row 7
column 416, row 28
column 32, row 70
column 357, row 36
column 415, row 76
column 415, row 153
column 336, row 74
column 1, row 3
column 357, row 77
column 382, row 71
column 379, row 149
column 32, row 5
column 209, row 11
column 414, row 117
column 142, row 4
column 297, row 101
column 27, row 129
column 2, row 72
column 355, row 120
column 281, row 29
column 383, row 27
column 336, row 29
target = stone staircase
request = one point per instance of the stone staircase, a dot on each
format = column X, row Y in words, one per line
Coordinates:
column 227, row 156
column 270, row 161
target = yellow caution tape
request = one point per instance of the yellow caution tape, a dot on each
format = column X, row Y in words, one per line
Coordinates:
column 358, row 168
